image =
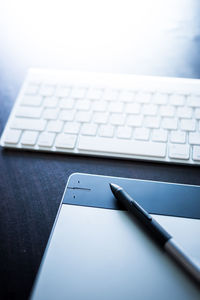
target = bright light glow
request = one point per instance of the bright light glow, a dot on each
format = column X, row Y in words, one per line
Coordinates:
column 91, row 29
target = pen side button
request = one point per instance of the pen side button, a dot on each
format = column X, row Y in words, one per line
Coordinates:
column 141, row 210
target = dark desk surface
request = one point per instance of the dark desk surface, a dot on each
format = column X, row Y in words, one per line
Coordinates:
column 151, row 38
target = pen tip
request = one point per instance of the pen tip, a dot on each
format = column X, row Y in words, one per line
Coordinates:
column 114, row 187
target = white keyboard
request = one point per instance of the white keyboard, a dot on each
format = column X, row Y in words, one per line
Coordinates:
column 110, row 115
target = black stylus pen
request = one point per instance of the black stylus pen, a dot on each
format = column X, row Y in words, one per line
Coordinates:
column 157, row 231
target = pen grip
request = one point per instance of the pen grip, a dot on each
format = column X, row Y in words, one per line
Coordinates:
column 156, row 230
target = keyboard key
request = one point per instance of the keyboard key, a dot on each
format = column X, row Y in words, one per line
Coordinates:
column 29, row 112
column 50, row 113
column 179, row 151
column 197, row 113
column 143, row 97
column 124, row 132
column 116, row 107
column 12, row 136
column 99, row 106
column 160, row 98
column 152, row 122
column 47, row 90
column 189, row 125
column 194, row 138
column 100, row 117
column 184, row 112
column 149, row 109
column 89, row 129
column 50, row 102
column 54, row 126
column 106, row 130
column 177, row 99
column 83, row 104
column 83, row 116
column 178, row 137
column 62, row 91
column 126, row 96
column 65, row 141
column 72, row 127
column 193, row 101
column 31, row 89
column 132, row 108
column 77, row 93
column 28, row 124
column 169, row 123
column 29, row 138
column 141, row 134
column 128, row 147
column 67, row 115
column 167, row 111
column 135, row 120
column 110, row 95
column 94, row 94
column 46, row 139
column 67, row 103
column 159, row 135
column 30, row 100
column 196, row 153
column 117, row 119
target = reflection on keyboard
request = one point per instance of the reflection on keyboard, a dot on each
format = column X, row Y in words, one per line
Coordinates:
column 121, row 116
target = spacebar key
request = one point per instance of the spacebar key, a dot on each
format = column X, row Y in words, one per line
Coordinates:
column 128, row 147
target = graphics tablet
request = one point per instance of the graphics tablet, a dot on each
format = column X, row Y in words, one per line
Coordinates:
column 98, row 251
